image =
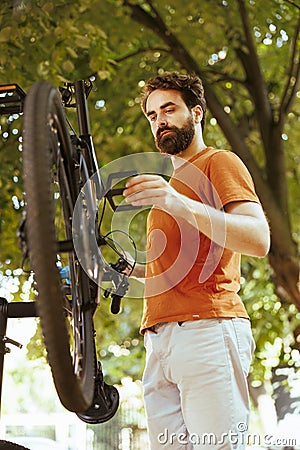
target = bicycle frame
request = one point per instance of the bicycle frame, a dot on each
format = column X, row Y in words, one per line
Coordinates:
column 84, row 126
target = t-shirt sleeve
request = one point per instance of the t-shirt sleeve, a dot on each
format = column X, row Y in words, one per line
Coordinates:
column 230, row 178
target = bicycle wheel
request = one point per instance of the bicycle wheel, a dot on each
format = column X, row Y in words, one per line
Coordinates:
column 65, row 306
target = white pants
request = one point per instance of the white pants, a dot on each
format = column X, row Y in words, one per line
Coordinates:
column 195, row 384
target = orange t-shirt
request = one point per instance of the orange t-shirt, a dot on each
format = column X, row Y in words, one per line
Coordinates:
column 188, row 276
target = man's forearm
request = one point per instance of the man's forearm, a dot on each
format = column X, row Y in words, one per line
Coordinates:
column 243, row 229
column 139, row 271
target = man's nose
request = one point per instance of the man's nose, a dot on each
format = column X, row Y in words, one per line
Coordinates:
column 162, row 122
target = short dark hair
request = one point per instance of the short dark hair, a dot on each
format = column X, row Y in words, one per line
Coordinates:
column 189, row 85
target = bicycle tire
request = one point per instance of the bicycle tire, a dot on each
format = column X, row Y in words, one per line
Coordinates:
column 48, row 165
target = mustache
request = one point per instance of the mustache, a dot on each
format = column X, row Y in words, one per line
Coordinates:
column 162, row 129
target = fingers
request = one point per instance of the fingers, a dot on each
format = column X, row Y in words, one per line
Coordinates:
column 143, row 189
column 142, row 182
column 139, row 179
column 145, row 197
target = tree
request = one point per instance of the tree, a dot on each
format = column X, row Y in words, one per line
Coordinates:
column 247, row 54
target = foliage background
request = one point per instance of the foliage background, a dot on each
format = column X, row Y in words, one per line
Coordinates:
column 124, row 43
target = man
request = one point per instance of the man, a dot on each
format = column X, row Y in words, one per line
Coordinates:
column 197, row 332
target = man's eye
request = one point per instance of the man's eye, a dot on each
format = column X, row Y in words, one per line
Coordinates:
column 152, row 118
column 169, row 110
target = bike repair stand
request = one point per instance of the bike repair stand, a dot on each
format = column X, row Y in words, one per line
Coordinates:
column 11, row 310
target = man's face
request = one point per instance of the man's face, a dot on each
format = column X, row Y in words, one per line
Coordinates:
column 171, row 121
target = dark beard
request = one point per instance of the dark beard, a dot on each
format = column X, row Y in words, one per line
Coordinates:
column 177, row 141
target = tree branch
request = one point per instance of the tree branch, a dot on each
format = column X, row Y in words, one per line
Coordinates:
column 256, row 81
column 224, row 77
column 141, row 51
column 294, row 72
column 293, row 4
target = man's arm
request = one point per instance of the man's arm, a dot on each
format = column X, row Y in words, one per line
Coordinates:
column 247, row 230
column 242, row 228
column 139, row 271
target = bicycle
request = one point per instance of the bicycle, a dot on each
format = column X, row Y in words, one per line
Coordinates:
column 60, row 168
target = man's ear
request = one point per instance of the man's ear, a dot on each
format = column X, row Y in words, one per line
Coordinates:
column 197, row 113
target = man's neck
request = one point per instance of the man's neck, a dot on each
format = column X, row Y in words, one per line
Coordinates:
column 194, row 149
